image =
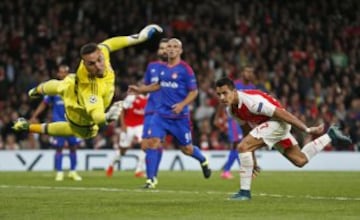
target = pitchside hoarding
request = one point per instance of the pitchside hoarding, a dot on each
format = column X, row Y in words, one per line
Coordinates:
column 43, row 160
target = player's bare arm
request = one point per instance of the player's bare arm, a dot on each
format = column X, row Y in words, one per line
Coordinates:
column 133, row 89
column 178, row 107
column 42, row 106
column 284, row 115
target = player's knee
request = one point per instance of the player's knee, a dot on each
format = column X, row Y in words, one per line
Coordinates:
column 72, row 149
column 123, row 151
column 153, row 143
column 300, row 162
column 188, row 150
column 242, row 147
column 143, row 146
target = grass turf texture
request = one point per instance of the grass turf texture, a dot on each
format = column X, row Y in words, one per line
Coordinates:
column 179, row 195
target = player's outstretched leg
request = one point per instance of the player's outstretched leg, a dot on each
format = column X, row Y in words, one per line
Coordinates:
column 337, row 137
column 21, row 124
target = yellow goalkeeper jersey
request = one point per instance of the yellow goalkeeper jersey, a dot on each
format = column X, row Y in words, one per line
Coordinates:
column 91, row 96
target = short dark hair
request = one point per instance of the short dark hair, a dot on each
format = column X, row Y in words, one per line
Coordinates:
column 248, row 66
column 164, row 40
column 225, row 81
column 88, row 48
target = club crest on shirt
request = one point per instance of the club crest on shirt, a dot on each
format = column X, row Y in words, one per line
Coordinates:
column 92, row 99
column 174, row 75
column 149, row 132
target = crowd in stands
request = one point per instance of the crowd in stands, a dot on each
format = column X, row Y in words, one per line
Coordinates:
column 306, row 53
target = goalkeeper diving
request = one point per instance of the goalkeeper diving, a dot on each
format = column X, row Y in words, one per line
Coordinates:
column 88, row 92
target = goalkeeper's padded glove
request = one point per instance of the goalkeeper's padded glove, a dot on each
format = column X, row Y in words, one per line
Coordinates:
column 147, row 32
column 113, row 113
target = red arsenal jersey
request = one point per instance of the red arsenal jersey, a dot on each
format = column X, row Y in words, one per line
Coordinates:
column 254, row 108
column 134, row 110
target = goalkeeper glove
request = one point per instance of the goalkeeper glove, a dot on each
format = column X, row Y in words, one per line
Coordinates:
column 147, row 32
column 114, row 111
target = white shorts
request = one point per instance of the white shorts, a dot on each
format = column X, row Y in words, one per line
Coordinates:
column 275, row 134
column 132, row 133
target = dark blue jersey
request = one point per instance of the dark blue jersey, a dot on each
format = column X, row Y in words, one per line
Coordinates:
column 152, row 76
column 176, row 82
column 58, row 109
column 241, row 86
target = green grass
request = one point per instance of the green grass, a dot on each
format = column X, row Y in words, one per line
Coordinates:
column 179, row 195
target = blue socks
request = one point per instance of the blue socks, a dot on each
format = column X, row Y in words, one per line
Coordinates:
column 72, row 160
column 59, row 158
column 152, row 160
column 197, row 154
column 233, row 155
column 58, row 161
column 159, row 156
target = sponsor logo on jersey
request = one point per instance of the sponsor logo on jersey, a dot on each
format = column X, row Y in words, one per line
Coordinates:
column 173, row 85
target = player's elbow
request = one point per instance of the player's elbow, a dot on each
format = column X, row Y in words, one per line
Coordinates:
column 194, row 93
column 98, row 118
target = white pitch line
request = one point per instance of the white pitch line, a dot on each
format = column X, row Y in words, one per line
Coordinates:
column 310, row 197
column 105, row 189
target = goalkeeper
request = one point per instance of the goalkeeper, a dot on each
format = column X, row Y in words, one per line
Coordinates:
column 89, row 92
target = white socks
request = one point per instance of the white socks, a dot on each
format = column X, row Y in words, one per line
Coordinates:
column 246, row 170
column 315, row 146
column 116, row 158
column 140, row 165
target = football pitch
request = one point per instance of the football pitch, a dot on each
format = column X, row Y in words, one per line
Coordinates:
column 179, row 195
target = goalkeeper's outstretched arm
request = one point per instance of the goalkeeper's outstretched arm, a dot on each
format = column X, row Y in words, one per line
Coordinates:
column 100, row 118
column 117, row 43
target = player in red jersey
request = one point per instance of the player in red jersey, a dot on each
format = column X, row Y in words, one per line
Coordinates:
column 130, row 132
column 265, row 122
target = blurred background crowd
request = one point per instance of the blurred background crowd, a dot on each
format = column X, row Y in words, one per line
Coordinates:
column 306, row 53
